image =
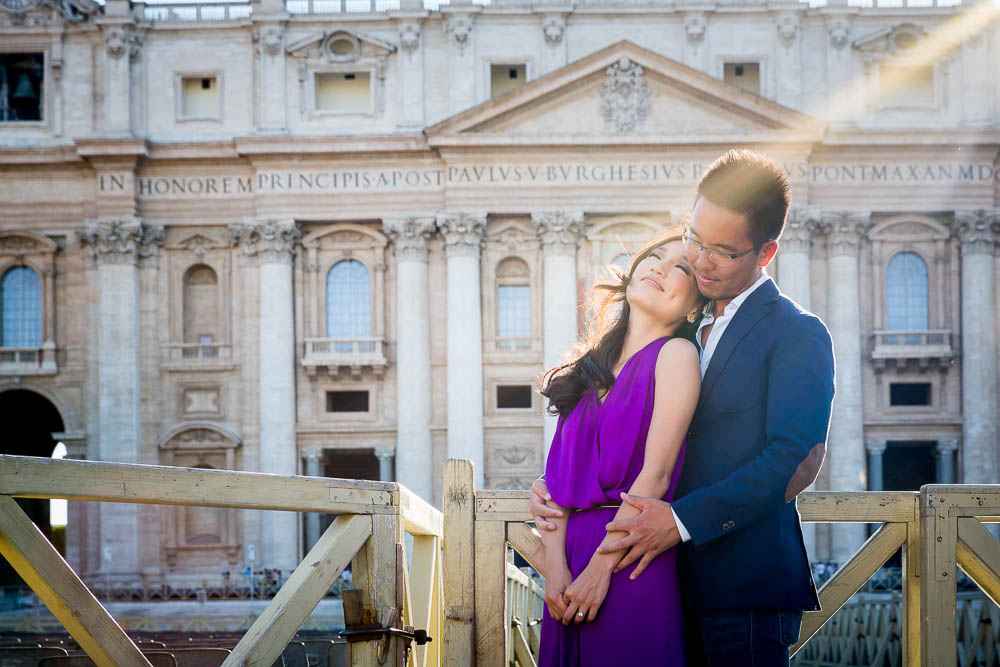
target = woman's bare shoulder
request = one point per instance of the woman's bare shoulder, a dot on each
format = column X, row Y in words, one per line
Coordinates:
column 678, row 359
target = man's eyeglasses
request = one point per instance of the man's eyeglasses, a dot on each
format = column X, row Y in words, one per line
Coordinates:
column 717, row 257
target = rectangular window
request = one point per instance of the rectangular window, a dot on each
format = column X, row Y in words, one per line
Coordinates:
column 200, row 97
column 505, row 78
column 513, row 396
column 343, row 92
column 347, row 401
column 902, row 85
column 743, row 75
column 514, row 311
column 21, row 89
column 909, row 393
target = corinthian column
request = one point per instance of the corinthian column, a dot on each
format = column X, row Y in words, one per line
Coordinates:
column 463, row 233
column 271, row 245
column 314, row 468
column 796, row 243
column 117, row 248
column 845, row 233
column 559, row 232
column 978, row 233
column 414, row 456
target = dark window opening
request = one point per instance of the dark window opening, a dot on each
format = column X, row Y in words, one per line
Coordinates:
column 910, row 393
column 512, row 73
column 513, row 396
column 739, row 70
column 347, row 401
column 206, row 84
column 349, row 77
column 21, row 77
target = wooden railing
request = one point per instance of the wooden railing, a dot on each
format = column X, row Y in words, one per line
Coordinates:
column 368, row 533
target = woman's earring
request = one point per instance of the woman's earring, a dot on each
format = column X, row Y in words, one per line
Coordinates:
column 692, row 317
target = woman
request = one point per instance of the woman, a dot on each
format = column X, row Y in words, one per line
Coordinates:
column 624, row 406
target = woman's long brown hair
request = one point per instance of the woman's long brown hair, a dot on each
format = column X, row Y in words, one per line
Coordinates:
column 593, row 366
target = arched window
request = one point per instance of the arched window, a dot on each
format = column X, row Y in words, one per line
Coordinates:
column 348, row 300
column 21, row 293
column 201, row 305
column 513, row 299
column 906, row 293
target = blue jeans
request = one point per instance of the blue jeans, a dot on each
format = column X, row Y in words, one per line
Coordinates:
column 740, row 637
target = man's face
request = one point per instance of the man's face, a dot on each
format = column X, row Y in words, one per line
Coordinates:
column 721, row 229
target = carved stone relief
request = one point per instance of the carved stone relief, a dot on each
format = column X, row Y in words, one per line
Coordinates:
column 624, row 96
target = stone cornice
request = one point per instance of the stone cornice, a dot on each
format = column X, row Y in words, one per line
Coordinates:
column 978, row 231
column 121, row 241
column 462, row 232
column 559, row 231
column 266, row 240
column 800, row 225
column 845, row 231
column 410, row 235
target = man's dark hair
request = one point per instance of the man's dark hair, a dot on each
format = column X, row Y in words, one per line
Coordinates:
column 748, row 182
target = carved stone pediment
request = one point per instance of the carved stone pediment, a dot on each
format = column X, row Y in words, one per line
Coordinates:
column 345, row 235
column 909, row 229
column 514, row 236
column 890, row 41
column 47, row 12
column 627, row 90
column 340, row 46
column 26, row 243
column 199, row 435
column 198, row 244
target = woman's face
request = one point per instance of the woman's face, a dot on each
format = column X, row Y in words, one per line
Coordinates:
column 663, row 284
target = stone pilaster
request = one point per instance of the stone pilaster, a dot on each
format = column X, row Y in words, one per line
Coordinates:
column 411, row 68
column 271, row 245
column 313, row 468
column 845, row 231
column 269, row 39
column 386, row 465
column 945, row 451
column 463, row 233
column 875, row 449
column 559, row 232
column 978, row 232
column 459, row 21
column 788, row 57
column 116, row 248
column 413, row 356
column 554, row 32
column 795, row 247
column 122, row 50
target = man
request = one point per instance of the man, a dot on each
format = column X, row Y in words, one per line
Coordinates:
column 756, row 440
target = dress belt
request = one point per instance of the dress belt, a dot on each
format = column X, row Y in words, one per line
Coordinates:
column 596, row 507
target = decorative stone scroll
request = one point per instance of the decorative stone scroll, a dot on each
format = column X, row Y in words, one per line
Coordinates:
column 800, row 225
column 410, row 236
column 266, row 240
column 553, row 28
column 122, row 39
column 459, row 27
column 463, row 232
column 845, row 231
column 624, row 96
column 559, row 231
column 121, row 241
column 978, row 230
column 409, row 36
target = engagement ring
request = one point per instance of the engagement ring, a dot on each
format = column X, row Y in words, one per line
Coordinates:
column 580, row 614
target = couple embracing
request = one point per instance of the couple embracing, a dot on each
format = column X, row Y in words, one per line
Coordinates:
column 697, row 411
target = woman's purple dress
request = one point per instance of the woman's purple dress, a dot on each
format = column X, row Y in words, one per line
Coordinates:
column 597, row 453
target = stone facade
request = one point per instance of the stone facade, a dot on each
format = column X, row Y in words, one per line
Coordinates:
column 197, row 172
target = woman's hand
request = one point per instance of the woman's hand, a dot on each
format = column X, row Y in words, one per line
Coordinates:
column 558, row 577
column 587, row 592
column 543, row 507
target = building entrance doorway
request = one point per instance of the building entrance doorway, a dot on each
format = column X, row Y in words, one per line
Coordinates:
column 348, row 464
column 27, row 422
column 906, row 466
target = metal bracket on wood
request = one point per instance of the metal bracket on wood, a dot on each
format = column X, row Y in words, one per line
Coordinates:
column 381, row 632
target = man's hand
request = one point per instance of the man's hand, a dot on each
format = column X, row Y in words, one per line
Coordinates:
column 541, row 511
column 649, row 534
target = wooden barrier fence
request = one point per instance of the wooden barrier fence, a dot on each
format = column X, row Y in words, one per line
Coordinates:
column 368, row 533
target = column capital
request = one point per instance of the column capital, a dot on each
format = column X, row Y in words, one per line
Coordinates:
column 385, row 453
column 978, row 230
column 267, row 240
column 121, row 241
column 946, row 446
column 458, row 25
column 558, row 230
column 876, row 447
column 410, row 235
column 313, row 454
column 463, row 233
column 800, row 225
column 845, row 230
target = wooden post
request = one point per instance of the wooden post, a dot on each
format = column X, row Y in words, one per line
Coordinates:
column 459, row 563
column 308, row 584
column 910, row 613
column 373, row 571
column 939, row 535
column 68, row 598
column 491, row 593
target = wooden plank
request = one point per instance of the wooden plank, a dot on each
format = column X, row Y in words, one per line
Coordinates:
column 373, row 571
column 521, row 651
column 504, row 508
column 910, row 619
column 422, row 582
column 856, row 507
column 307, row 585
column 65, row 595
column 435, row 624
column 979, row 555
column 459, row 563
column 491, row 594
column 419, row 516
column 851, row 577
column 33, row 477
column 939, row 536
column 527, row 542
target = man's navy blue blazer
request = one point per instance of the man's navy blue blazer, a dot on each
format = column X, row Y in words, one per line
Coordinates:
column 765, row 403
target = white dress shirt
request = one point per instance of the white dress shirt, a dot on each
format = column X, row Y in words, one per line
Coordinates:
column 720, row 323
